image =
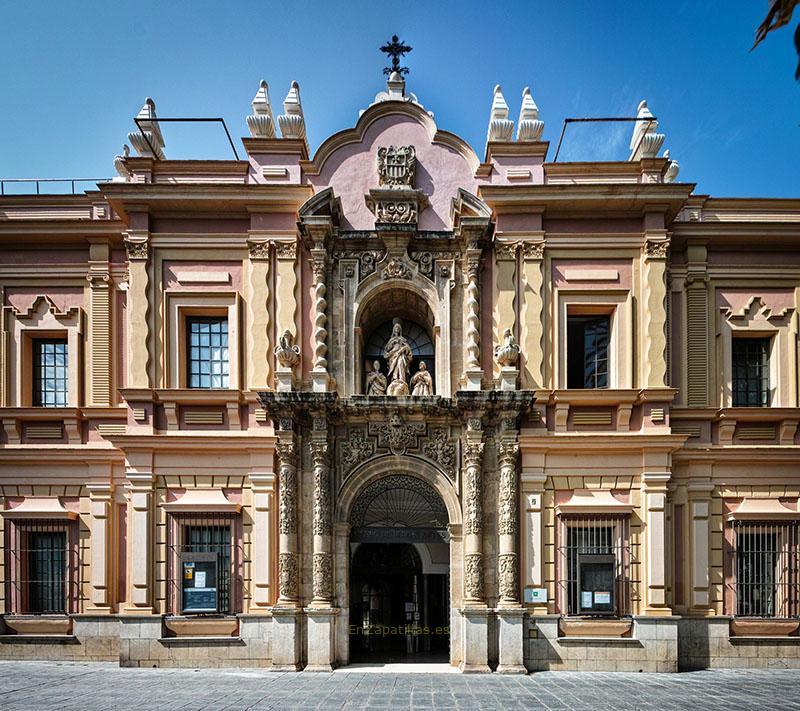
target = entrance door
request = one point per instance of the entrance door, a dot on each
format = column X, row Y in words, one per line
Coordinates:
column 397, row 612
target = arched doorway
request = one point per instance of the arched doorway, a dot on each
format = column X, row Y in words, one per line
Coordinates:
column 399, row 572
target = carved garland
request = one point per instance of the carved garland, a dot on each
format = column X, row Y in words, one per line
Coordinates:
column 322, row 493
column 288, row 576
column 287, row 487
column 322, row 571
column 507, row 576
column 473, row 576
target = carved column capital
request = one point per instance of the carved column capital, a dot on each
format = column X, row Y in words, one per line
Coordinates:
column 137, row 248
column 259, row 249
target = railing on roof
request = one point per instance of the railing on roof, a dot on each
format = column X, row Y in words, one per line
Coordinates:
column 38, row 181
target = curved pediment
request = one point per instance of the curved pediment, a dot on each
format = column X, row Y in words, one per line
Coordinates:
column 347, row 162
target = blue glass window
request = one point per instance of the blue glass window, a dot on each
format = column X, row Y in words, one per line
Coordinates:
column 50, row 382
column 207, row 352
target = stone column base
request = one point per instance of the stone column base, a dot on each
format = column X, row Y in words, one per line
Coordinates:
column 319, row 381
column 475, row 640
column 321, row 638
column 508, row 378
column 286, row 638
column 473, row 379
column 511, row 628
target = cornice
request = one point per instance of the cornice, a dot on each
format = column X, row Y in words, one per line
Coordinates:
column 83, row 229
column 619, row 198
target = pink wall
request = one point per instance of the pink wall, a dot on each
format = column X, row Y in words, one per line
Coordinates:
column 64, row 297
column 173, row 270
column 622, row 267
column 737, row 299
column 352, row 171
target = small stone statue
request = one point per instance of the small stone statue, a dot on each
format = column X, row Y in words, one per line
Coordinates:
column 376, row 381
column 422, row 383
column 398, row 355
column 287, row 353
column 507, row 353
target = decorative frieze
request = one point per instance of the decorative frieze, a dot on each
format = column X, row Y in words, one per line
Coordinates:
column 441, row 450
column 356, row 448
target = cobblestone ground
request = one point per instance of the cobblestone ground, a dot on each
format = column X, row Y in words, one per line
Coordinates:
column 53, row 685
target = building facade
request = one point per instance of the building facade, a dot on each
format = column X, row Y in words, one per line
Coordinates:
column 393, row 401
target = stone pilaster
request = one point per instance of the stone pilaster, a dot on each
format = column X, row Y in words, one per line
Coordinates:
column 532, row 554
column 138, row 309
column 698, row 383
column 653, row 369
column 259, row 343
column 263, row 487
column 473, row 373
column 654, row 500
column 699, row 495
column 100, row 496
column 532, row 315
column 140, row 541
column 99, row 324
column 504, row 278
column 286, row 303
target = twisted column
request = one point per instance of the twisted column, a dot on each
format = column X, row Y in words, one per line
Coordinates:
column 508, row 524
column 319, row 373
column 288, row 562
column 473, row 318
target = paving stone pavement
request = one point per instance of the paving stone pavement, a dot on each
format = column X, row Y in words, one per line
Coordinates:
column 93, row 686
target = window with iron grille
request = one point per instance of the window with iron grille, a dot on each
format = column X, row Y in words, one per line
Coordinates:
column 587, row 351
column 206, row 533
column 766, row 568
column 41, row 567
column 50, row 381
column 593, row 535
column 207, row 352
column 751, row 372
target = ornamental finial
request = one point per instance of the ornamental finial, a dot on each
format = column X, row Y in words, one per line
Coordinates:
column 395, row 49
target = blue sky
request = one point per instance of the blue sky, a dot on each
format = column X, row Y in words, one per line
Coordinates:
column 75, row 73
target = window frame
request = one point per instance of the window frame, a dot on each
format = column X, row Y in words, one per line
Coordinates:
column 785, row 596
column 188, row 321
column 765, row 396
column 178, row 523
column 36, row 368
column 621, row 548
column 18, row 564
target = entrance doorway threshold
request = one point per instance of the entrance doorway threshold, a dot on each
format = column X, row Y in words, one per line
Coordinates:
column 398, row 668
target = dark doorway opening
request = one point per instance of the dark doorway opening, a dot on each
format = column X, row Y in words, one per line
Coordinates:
column 398, row 613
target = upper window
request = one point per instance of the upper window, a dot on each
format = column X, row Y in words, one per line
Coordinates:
column 766, row 566
column 208, row 364
column 587, row 351
column 50, row 372
column 751, row 372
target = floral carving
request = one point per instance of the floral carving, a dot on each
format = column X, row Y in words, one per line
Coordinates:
column 137, row 250
column 356, row 448
column 288, row 576
column 473, row 576
column 425, row 262
column 397, row 435
column 322, row 571
column 506, row 250
column 507, row 577
column 258, row 250
column 532, row 250
column 473, row 488
column 287, row 487
column 656, row 249
column 286, row 250
column 395, row 211
column 507, row 519
column 322, row 489
column 396, row 269
column 440, row 449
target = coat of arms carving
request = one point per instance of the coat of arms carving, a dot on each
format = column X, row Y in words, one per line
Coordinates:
column 397, row 166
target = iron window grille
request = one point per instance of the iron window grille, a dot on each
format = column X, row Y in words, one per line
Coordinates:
column 587, row 351
column 208, row 364
column 751, row 372
column 42, row 565
column 206, row 533
column 50, row 372
column 593, row 535
column 766, row 568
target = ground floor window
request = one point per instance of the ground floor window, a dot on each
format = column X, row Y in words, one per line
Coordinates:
column 41, row 567
column 594, row 565
column 205, row 560
column 766, row 568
